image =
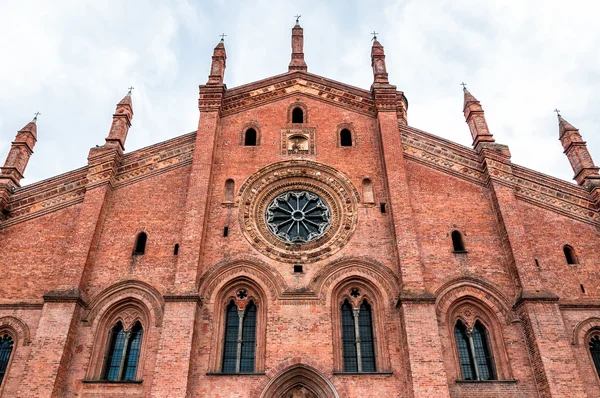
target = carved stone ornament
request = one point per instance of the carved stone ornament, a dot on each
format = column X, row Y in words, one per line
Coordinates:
column 298, row 211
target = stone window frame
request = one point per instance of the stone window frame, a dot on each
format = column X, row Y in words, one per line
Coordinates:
column 228, row 293
column 12, row 333
column 20, row 335
column 353, row 135
column 370, row 293
column 242, row 135
column 128, row 311
column 469, row 311
column 291, row 108
column 594, row 331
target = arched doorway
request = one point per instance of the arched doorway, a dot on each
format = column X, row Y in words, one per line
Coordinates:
column 299, row 381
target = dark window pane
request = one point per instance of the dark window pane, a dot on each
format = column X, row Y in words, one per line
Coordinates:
column 595, row 351
column 367, row 347
column 483, row 352
column 457, row 242
column 133, row 352
column 250, row 138
column 232, row 321
column 297, row 116
column 345, row 137
column 348, row 339
column 6, row 347
column 464, row 353
column 248, row 339
column 115, row 352
column 140, row 244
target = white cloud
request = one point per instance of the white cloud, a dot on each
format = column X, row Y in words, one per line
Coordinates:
column 73, row 61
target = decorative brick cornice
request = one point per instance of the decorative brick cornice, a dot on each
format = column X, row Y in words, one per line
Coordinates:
column 289, row 84
column 530, row 186
column 68, row 189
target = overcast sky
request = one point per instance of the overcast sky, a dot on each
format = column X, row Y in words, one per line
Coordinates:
column 73, row 61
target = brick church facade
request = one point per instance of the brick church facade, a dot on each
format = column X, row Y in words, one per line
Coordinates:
column 305, row 241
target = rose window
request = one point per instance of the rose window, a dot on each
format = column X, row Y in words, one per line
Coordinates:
column 298, row 216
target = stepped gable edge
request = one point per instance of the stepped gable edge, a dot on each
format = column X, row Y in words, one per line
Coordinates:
column 277, row 87
column 539, row 189
column 67, row 189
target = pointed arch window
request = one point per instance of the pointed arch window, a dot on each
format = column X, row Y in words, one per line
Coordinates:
column 297, row 115
column 122, row 356
column 594, row 346
column 6, row 348
column 474, row 352
column 345, row 138
column 140, row 244
column 458, row 242
column 357, row 338
column 240, row 338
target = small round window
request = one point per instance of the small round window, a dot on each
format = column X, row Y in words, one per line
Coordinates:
column 298, row 216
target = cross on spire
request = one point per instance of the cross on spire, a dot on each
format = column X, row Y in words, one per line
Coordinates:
column 464, row 85
column 130, row 88
column 374, row 36
column 223, row 35
column 36, row 115
column 557, row 111
column 297, row 18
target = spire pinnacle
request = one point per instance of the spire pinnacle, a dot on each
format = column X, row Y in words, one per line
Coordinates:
column 297, row 62
column 586, row 172
column 475, row 118
column 219, row 58
column 121, row 122
column 378, row 61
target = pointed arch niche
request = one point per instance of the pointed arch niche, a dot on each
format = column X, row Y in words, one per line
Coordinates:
column 358, row 313
column 473, row 319
column 247, row 298
column 302, row 379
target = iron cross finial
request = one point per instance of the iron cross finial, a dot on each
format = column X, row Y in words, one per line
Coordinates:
column 130, row 88
column 464, row 85
column 374, row 36
column 36, row 115
column 297, row 18
column 223, row 35
column 557, row 111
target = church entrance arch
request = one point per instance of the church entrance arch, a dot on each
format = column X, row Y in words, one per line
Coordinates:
column 299, row 381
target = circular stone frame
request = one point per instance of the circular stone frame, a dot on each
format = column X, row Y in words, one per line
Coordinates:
column 265, row 185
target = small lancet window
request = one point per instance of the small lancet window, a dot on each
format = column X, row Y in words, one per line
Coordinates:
column 345, row 138
column 176, row 249
column 6, row 348
column 570, row 255
column 297, row 115
column 474, row 352
column 229, row 190
column 457, row 242
column 140, row 244
column 594, row 345
column 240, row 339
column 250, row 137
column 123, row 353
column 358, row 348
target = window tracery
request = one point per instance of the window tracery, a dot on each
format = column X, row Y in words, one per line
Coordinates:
column 594, row 348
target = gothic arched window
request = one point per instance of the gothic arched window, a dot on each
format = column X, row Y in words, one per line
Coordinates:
column 474, row 352
column 240, row 338
column 250, row 137
column 595, row 351
column 457, row 242
column 123, row 353
column 357, row 338
column 345, row 138
column 297, row 115
column 6, row 348
column 570, row 255
column 140, row 244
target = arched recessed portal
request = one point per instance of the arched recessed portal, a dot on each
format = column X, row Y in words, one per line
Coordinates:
column 299, row 381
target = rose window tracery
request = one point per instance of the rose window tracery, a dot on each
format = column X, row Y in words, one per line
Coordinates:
column 298, row 216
